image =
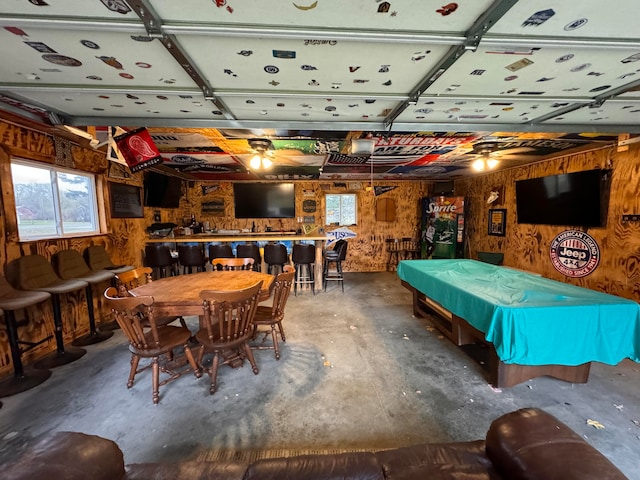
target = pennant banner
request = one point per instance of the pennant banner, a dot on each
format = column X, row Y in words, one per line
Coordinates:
column 380, row 190
column 138, row 149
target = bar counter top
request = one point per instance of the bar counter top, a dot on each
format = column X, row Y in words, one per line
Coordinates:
column 235, row 237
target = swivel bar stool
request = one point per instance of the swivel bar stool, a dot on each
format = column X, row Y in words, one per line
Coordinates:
column 250, row 250
column 159, row 258
column 12, row 300
column 303, row 256
column 335, row 256
column 220, row 250
column 69, row 265
column 97, row 258
column 34, row 272
column 275, row 256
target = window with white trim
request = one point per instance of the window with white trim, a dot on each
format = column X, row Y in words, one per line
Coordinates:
column 53, row 202
column 340, row 209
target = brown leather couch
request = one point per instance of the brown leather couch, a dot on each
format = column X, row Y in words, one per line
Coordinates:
column 525, row 444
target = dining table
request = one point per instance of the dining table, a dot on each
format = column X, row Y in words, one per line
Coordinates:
column 180, row 295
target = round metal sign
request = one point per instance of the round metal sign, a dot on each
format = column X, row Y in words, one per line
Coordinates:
column 574, row 253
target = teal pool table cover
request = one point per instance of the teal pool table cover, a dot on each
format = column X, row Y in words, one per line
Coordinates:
column 531, row 320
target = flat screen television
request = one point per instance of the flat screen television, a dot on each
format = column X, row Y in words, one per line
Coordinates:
column 161, row 191
column 572, row 199
column 264, row 200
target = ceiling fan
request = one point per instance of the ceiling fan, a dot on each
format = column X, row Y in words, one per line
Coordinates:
column 264, row 155
column 489, row 154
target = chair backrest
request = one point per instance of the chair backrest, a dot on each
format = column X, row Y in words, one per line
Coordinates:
column 191, row 255
column 275, row 253
column 135, row 318
column 232, row 263
column 342, row 249
column 31, row 272
column 303, row 253
column 97, row 258
column 249, row 250
column 132, row 279
column 228, row 315
column 70, row 264
column 222, row 250
column 281, row 290
column 157, row 255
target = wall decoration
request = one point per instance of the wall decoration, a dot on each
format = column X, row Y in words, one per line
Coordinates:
column 138, row 149
column 125, row 201
column 213, row 207
column 309, row 206
column 117, row 170
column 574, row 253
column 497, row 221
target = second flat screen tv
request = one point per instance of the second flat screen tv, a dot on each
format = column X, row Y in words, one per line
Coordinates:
column 264, row 200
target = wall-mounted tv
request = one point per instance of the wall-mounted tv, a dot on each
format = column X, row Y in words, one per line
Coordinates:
column 264, row 200
column 161, row 191
column 571, row 199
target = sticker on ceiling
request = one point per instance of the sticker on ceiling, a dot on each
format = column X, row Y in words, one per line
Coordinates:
column 321, row 42
column 447, row 9
column 384, row 7
column 515, row 66
column 111, row 61
column 286, row 54
column 272, row 69
column 118, row 6
column 632, row 58
column 384, row 69
column 274, row 83
column 538, row 18
column 127, row 76
column 579, row 68
column 313, row 83
column 581, row 22
column 230, row 72
column 308, row 67
column 545, row 79
column 16, row 31
column 477, row 71
column 143, row 65
column 353, row 69
column 141, row 38
column 510, row 78
column 39, row 3
column 310, row 7
column 245, row 53
column 600, row 88
column 61, row 60
column 564, row 58
column 417, row 56
column 223, row 3
column 41, row 47
column 90, row 44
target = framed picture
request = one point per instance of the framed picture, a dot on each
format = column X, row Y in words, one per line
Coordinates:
column 125, row 201
column 497, row 221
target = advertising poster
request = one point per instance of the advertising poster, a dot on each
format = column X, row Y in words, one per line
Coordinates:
column 442, row 227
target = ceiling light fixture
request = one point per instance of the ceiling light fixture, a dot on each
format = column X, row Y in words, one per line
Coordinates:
column 362, row 146
column 482, row 164
column 260, row 159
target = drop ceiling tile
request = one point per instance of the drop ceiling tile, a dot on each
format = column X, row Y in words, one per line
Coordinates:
column 573, row 20
column 88, row 58
column 398, row 15
column 310, row 109
column 537, row 72
column 311, row 65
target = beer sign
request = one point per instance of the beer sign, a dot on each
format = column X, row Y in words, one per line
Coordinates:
column 574, row 253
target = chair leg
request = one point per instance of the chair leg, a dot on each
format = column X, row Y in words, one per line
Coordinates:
column 252, row 360
column 192, row 361
column 274, row 337
column 156, row 380
column 213, row 373
column 135, row 360
column 281, row 329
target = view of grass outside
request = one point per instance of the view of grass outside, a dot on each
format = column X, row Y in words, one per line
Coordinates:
column 340, row 209
column 52, row 203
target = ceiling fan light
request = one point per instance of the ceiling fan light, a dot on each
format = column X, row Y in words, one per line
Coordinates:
column 255, row 161
column 478, row 165
column 362, row 146
column 266, row 163
column 492, row 163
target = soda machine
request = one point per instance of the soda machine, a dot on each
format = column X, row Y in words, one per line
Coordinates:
column 442, row 227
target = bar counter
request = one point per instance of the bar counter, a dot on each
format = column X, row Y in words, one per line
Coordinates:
column 206, row 238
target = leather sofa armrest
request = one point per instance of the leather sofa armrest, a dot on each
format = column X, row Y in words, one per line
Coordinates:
column 69, row 455
column 532, row 444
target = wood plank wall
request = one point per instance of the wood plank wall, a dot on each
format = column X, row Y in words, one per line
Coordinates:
column 527, row 246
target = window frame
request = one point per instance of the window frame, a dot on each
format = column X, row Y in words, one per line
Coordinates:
column 95, row 211
column 340, row 223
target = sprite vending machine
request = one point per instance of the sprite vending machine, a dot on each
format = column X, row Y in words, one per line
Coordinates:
column 442, row 227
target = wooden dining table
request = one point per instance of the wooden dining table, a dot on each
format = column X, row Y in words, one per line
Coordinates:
column 180, row 295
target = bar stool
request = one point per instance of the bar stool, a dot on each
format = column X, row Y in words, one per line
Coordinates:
column 34, row 272
column 190, row 257
column 97, row 258
column 393, row 251
column 250, row 250
column 220, row 250
column 275, row 256
column 12, row 300
column 303, row 256
column 335, row 256
column 159, row 258
column 70, row 265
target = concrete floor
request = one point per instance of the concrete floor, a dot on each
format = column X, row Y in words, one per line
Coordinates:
column 357, row 371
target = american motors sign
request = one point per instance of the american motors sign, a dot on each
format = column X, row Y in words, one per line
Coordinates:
column 574, row 253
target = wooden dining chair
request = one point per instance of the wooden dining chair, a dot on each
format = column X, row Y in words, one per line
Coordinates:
column 227, row 328
column 272, row 316
column 232, row 263
column 146, row 340
column 131, row 279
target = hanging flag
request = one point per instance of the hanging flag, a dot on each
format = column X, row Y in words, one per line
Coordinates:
column 138, row 149
column 380, row 190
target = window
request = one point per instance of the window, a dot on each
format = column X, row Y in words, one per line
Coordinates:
column 340, row 209
column 53, row 202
